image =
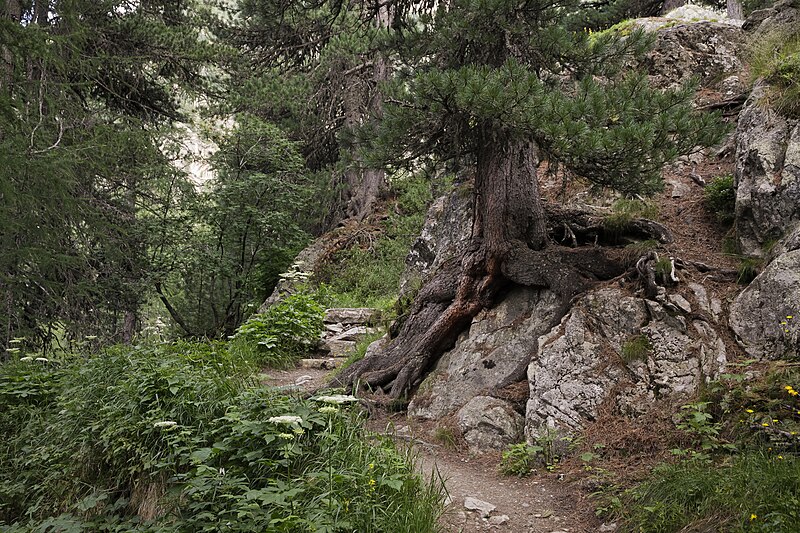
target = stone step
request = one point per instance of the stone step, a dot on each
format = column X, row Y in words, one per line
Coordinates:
column 328, row 363
column 351, row 315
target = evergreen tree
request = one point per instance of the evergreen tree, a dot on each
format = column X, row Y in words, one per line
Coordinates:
column 86, row 98
column 500, row 85
column 313, row 68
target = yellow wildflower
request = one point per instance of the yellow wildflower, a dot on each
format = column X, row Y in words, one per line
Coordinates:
column 765, row 424
column 753, row 516
column 748, row 411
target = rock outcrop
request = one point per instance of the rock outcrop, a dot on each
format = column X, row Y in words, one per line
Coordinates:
column 766, row 315
column 494, row 352
column 444, row 235
column 618, row 348
column 708, row 50
column 767, row 175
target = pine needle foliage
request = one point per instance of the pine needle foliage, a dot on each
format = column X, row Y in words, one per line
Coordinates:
column 480, row 72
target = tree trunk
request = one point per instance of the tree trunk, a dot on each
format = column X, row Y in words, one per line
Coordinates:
column 509, row 214
column 735, row 10
column 12, row 10
column 363, row 186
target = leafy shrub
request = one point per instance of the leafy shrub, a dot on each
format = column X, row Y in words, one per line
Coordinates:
column 720, row 197
column 520, row 459
column 164, row 439
column 284, row 333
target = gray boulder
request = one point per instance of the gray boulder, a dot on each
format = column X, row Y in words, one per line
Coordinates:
column 767, row 175
column 490, row 424
column 444, row 235
column 493, row 352
column 618, row 348
column 709, row 50
column 759, row 315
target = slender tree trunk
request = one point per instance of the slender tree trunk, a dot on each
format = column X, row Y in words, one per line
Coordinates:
column 363, row 186
column 12, row 10
column 735, row 10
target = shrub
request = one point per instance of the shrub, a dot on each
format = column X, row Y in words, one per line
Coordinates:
column 520, row 459
column 164, row 439
column 720, row 198
column 284, row 333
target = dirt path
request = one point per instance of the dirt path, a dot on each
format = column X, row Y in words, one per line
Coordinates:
column 540, row 503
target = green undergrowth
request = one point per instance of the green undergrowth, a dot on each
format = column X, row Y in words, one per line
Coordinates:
column 741, row 471
column 775, row 58
column 360, row 350
column 623, row 212
column 753, row 491
column 720, row 198
column 178, row 437
column 367, row 274
column 285, row 332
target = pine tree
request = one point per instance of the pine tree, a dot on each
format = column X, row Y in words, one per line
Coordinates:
column 313, row 69
column 500, row 85
column 86, row 100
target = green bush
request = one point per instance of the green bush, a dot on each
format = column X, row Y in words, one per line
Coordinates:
column 166, row 439
column 284, row 333
column 720, row 197
column 520, row 459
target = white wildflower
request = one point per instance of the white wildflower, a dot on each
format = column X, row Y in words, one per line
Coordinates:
column 42, row 359
column 12, row 350
column 26, row 359
column 337, row 398
column 165, row 424
column 285, row 419
column 328, row 409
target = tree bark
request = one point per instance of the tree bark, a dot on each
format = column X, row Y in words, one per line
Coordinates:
column 735, row 10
